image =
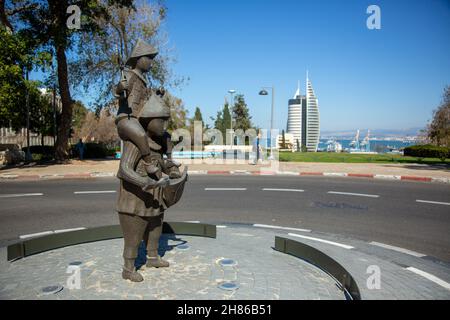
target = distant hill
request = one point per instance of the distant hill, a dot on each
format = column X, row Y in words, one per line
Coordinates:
column 380, row 133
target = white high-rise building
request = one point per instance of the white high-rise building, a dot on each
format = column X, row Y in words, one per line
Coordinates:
column 303, row 119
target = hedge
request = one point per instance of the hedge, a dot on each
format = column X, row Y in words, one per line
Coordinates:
column 41, row 153
column 94, row 151
column 428, row 151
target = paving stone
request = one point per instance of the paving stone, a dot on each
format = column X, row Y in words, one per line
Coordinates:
column 195, row 274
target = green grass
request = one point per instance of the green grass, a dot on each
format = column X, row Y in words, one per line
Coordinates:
column 355, row 158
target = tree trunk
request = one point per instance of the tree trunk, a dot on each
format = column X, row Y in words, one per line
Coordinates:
column 3, row 16
column 62, row 141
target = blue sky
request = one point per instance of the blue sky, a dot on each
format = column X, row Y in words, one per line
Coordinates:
column 391, row 78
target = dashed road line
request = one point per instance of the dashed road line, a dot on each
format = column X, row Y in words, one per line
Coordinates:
column 278, row 227
column 21, row 195
column 430, row 277
column 434, row 202
column 95, row 192
column 398, row 249
column 283, row 190
column 225, row 189
column 323, row 241
column 354, row 194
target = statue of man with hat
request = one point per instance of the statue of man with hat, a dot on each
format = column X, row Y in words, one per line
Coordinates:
column 132, row 92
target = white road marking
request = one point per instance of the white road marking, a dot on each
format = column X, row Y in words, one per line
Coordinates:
column 20, row 195
column 225, row 189
column 221, row 227
column 323, row 241
column 430, row 277
column 433, row 202
column 398, row 249
column 69, row 230
column 283, row 190
column 45, row 233
column 192, row 221
column 94, row 192
column 355, row 194
column 281, row 228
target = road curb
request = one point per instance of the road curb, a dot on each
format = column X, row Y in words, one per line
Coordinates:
column 92, row 175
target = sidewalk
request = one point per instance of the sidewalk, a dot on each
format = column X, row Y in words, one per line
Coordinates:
column 108, row 168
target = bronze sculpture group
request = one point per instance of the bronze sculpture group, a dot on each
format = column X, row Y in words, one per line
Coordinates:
column 150, row 181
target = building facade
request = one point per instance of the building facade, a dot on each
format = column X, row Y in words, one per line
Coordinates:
column 303, row 119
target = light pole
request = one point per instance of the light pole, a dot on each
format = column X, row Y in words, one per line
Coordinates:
column 28, row 156
column 264, row 92
column 231, row 92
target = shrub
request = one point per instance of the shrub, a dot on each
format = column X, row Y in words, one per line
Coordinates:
column 91, row 151
column 428, row 151
column 41, row 153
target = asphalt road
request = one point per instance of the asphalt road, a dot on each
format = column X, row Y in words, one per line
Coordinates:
column 366, row 209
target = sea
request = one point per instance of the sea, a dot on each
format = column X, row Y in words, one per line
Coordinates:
column 380, row 146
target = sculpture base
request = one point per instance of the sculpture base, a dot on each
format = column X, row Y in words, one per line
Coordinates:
column 239, row 264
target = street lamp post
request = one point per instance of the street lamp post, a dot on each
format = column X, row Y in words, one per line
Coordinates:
column 231, row 92
column 263, row 92
column 28, row 156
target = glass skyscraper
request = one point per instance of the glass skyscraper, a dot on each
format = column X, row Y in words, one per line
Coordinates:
column 303, row 119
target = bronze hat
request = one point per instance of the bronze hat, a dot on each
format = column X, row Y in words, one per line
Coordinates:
column 140, row 50
column 154, row 108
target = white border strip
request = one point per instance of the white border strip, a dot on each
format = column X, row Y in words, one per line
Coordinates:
column 387, row 177
column 398, row 249
column 335, row 174
column 288, row 173
column 430, row 277
column 433, row 202
column 354, row 194
column 20, row 195
column 283, row 190
column 94, row 192
column 45, row 233
column 323, row 241
column 240, row 172
column 102, row 174
column 198, row 172
column 70, row 230
column 281, row 228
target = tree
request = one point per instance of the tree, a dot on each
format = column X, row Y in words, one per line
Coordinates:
column 222, row 122
column 198, row 115
column 439, row 128
column 15, row 58
column 178, row 114
column 44, row 23
column 97, row 128
column 241, row 114
column 101, row 55
column 78, row 115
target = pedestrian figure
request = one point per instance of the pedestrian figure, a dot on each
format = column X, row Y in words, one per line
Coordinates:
column 80, row 147
column 257, row 150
